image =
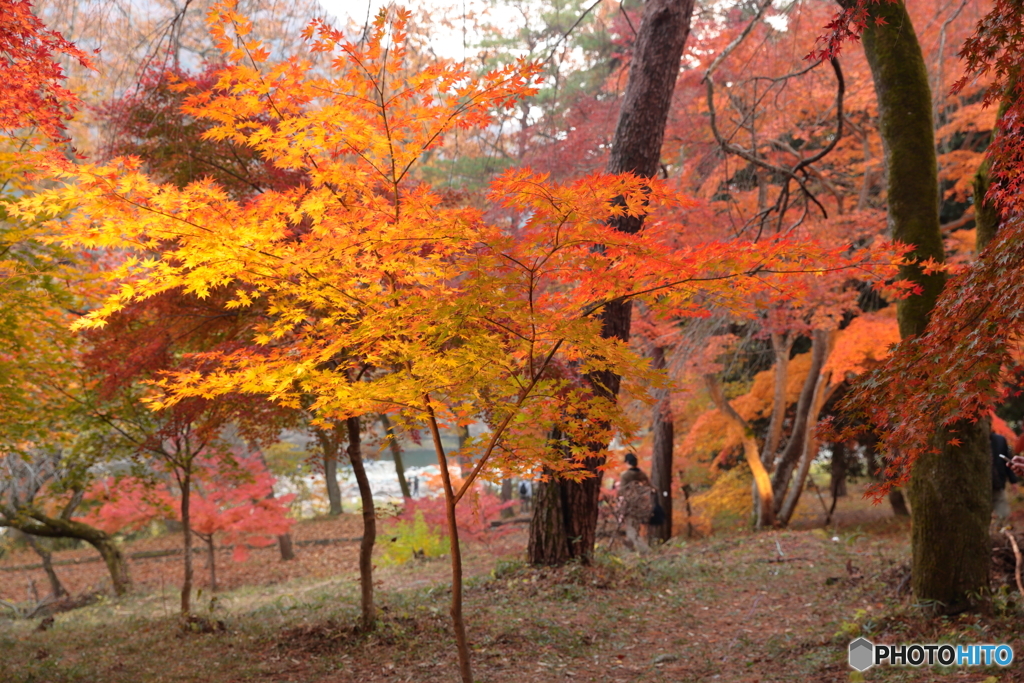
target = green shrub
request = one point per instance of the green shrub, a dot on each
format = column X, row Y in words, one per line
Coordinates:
column 404, row 541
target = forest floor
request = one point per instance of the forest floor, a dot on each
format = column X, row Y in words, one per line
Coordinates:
column 770, row 606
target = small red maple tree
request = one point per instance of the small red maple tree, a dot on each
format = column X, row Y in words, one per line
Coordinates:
column 230, row 502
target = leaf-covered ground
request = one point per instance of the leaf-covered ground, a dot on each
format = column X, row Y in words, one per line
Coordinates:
column 776, row 606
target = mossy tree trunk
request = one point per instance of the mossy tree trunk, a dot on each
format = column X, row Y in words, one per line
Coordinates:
column 949, row 489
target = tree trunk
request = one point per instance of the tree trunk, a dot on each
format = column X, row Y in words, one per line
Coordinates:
column 116, row 563
column 35, row 523
column 986, row 216
column 794, row 448
column 548, row 542
column 186, row 529
column 950, row 490
column 355, row 456
column 782, row 346
column 330, row 444
column 837, row 485
column 896, row 498
column 661, row 456
column 458, row 620
column 211, row 559
column 396, row 454
column 462, row 432
column 765, row 495
column 636, row 148
column 822, row 390
column 506, row 497
column 56, row 588
column 898, row 503
column 286, row 547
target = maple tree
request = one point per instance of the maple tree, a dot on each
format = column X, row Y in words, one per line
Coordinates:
column 567, row 529
column 379, row 296
column 33, row 93
column 230, row 502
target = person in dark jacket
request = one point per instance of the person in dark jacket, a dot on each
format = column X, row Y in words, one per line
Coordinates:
column 1002, row 472
column 634, row 507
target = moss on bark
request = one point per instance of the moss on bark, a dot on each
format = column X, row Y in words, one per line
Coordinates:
column 949, row 490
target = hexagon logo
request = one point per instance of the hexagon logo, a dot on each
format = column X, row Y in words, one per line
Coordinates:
column 862, row 654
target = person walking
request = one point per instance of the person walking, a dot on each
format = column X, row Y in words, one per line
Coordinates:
column 635, row 503
column 525, row 496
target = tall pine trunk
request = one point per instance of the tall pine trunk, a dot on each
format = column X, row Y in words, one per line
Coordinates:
column 636, row 148
column 950, row 489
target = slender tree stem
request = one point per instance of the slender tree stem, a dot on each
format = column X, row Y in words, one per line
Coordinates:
column 186, row 586
column 458, row 623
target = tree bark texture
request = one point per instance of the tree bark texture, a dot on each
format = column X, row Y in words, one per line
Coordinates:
column 636, row 148
column 661, row 455
column 355, row 456
column 782, row 346
column 396, row 454
column 950, row 490
column 548, row 542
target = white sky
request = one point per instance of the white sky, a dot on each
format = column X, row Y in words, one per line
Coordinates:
column 447, row 42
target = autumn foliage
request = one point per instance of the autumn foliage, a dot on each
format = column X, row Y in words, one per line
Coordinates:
column 231, row 499
column 33, row 93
